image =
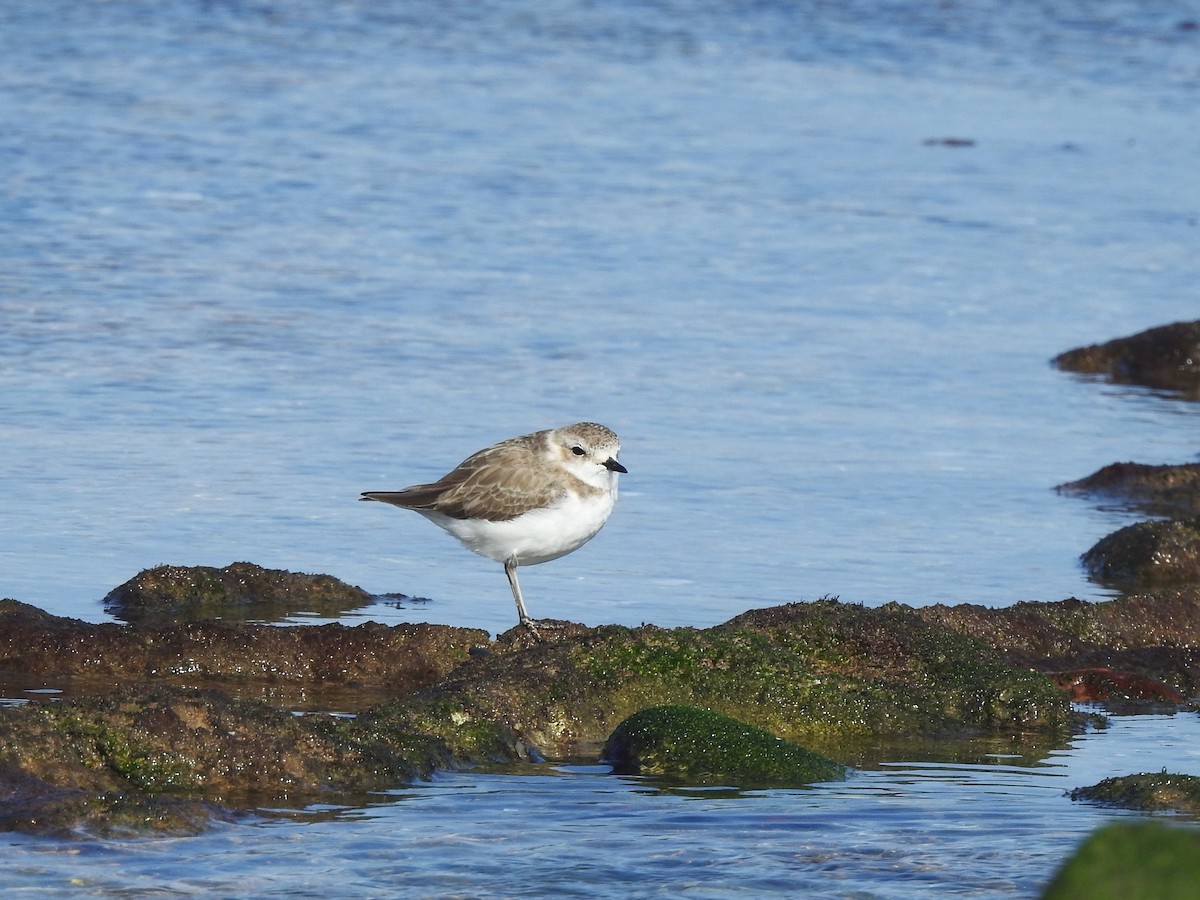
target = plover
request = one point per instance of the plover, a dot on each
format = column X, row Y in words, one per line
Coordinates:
column 526, row 500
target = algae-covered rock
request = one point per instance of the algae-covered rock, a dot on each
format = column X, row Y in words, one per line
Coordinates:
column 161, row 739
column 1166, row 357
column 696, row 745
column 1132, row 861
column 32, row 806
column 1147, row 555
column 239, row 591
column 802, row 671
column 1150, row 792
column 1154, row 635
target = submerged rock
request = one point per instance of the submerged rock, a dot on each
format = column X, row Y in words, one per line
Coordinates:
column 239, row 592
column 1156, row 792
column 1170, row 490
column 1147, row 555
column 1136, row 860
column 1166, row 357
column 692, row 744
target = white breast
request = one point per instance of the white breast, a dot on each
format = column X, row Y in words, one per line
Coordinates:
column 535, row 537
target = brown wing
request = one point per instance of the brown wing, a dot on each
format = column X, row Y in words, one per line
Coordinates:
column 498, row 483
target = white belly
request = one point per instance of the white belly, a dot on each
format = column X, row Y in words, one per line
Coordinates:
column 535, row 537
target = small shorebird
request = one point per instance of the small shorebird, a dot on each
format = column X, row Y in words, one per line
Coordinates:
column 526, row 500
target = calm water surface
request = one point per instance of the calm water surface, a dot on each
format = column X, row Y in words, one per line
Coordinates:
column 258, row 257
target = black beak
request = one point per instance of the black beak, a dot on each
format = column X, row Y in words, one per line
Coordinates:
column 613, row 466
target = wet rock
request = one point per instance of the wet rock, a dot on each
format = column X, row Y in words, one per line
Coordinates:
column 1167, row 358
column 35, row 807
column 1168, row 491
column 1131, row 861
column 241, row 591
column 1157, row 792
column 1102, row 684
column 698, row 745
column 159, row 739
column 1155, row 635
column 1147, row 555
column 397, row 659
column 803, row 672
column 798, row 671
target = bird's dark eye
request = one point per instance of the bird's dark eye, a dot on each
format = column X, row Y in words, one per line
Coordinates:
column 578, row 451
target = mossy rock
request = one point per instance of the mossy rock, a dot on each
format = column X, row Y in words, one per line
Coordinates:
column 238, row 591
column 35, row 807
column 162, row 739
column 693, row 744
column 1154, row 792
column 805, row 672
column 1131, row 861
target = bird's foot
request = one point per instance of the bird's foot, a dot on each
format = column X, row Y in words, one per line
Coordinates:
column 531, row 628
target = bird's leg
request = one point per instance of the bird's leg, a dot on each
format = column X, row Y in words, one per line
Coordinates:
column 510, row 569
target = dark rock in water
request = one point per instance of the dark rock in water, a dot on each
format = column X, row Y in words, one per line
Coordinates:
column 1154, row 490
column 1167, row 358
column 1102, row 684
column 1147, row 555
column 399, row 658
column 1156, row 792
column 698, row 745
column 239, row 591
column 1134, row 860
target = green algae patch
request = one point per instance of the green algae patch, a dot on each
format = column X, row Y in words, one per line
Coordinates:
column 1152, row 792
column 1131, row 861
column 473, row 738
column 693, row 744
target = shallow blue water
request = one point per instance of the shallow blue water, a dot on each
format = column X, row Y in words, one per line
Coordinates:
column 998, row 828
column 258, row 258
